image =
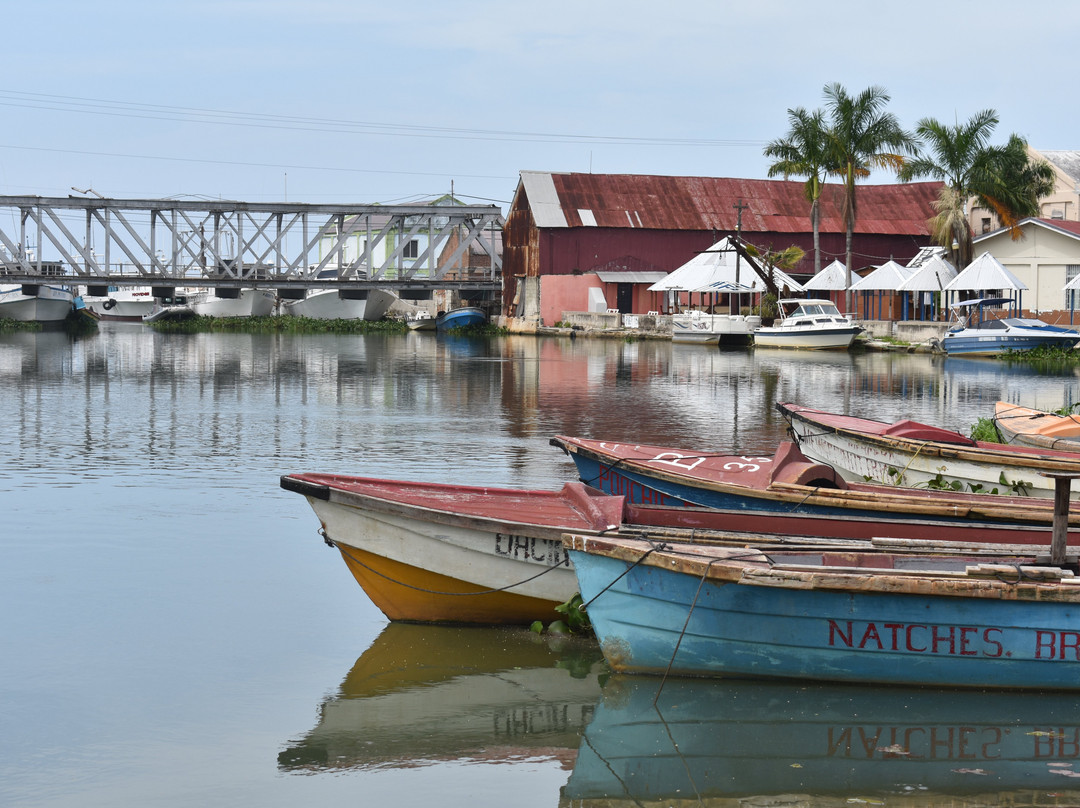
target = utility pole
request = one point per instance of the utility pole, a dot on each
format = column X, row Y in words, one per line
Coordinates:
column 739, row 208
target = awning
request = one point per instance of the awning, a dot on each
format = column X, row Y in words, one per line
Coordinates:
column 631, row 277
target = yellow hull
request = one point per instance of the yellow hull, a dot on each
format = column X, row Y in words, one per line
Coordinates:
column 408, row 593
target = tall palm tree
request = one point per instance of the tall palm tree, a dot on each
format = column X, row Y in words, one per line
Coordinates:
column 862, row 136
column 1003, row 179
column 803, row 152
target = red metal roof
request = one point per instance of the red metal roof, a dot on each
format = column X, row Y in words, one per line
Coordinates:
column 707, row 203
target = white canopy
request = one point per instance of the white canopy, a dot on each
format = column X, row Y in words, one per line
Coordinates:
column 985, row 272
column 714, row 271
column 932, row 276
column 1073, row 284
column 886, row 277
column 714, row 265
column 832, row 278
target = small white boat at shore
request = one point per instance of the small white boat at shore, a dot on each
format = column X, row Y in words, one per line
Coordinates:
column 809, row 324
column 702, row 328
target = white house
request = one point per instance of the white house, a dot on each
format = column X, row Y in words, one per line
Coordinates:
column 1046, row 258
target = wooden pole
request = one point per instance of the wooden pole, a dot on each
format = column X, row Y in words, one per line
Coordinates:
column 1060, row 533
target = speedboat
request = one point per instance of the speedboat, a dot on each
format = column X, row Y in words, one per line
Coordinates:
column 805, row 323
column 981, row 326
column 27, row 303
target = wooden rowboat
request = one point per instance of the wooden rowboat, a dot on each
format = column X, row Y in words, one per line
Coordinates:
column 908, row 453
column 1030, row 427
column 788, row 484
column 692, row 610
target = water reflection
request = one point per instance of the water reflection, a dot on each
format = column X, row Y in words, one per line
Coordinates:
column 422, row 694
column 722, row 742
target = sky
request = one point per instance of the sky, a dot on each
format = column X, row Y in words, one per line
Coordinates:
column 350, row 101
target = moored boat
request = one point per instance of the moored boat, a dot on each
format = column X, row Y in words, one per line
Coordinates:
column 983, row 327
column 428, row 552
column 127, row 304
column 702, row 328
column 339, row 304
column 40, row 303
column 908, row 453
column 788, row 483
column 1030, row 427
column 247, row 302
column 693, row 610
column 460, row 318
column 421, row 321
column 810, row 324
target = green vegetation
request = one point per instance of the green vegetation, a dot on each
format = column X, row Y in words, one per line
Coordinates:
column 985, row 430
column 574, row 621
column 1048, row 354
column 7, row 324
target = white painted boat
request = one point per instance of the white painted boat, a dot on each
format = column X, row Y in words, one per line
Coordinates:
column 907, row 453
column 330, row 304
column 422, row 321
column 128, row 304
column 29, row 303
column 248, row 303
column 702, row 328
column 808, row 324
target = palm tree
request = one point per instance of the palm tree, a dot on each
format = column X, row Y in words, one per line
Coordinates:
column 861, row 137
column 803, row 152
column 1003, row 179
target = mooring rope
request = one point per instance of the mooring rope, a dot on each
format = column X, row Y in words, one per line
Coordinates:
column 331, row 543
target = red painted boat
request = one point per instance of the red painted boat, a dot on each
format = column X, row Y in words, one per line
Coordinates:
column 789, row 486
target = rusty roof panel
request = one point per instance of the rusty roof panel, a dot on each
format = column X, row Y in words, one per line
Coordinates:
column 708, row 203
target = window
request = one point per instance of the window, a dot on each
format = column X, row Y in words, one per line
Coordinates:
column 1072, row 300
column 986, row 224
column 412, row 249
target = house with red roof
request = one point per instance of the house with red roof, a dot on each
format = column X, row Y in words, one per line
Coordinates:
column 595, row 242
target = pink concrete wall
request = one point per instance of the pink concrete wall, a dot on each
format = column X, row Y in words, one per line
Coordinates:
column 559, row 293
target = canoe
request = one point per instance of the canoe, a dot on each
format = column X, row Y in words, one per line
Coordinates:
column 745, row 743
column 788, row 484
column 423, row 694
column 908, row 453
column 1030, row 427
column 429, row 552
column 695, row 610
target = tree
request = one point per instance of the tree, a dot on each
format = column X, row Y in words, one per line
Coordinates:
column 804, row 152
column 861, row 137
column 1004, row 179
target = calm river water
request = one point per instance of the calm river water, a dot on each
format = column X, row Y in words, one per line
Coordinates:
column 175, row 633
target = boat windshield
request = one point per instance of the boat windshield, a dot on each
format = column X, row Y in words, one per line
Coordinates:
column 815, row 308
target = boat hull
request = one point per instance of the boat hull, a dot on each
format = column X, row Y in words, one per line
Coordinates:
column 460, row 318
column 250, row 303
column 122, row 305
column 861, row 449
column 1037, row 428
column 327, row 304
column 433, row 553
column 656, row 614
column 698, row 328
column 990, row 342
column 831, row 339
column 51, row 304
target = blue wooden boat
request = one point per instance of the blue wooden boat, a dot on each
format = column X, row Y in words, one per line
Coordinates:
column 786, row 483
column 982, row 329
column 698, row 743
column 460, row 318
column 872, row 618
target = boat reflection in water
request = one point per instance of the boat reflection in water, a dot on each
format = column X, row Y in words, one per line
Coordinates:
column 722, row 743
column 424, row 694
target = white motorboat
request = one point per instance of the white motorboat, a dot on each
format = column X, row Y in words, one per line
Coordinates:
column 39, row 303
column 983, row 327
column 806, row 323
column 702, row 328
column 129, row 304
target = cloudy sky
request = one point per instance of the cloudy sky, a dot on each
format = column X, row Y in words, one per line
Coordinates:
column 359, row 102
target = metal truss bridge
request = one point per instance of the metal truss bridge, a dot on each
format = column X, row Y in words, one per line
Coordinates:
column 164, row 243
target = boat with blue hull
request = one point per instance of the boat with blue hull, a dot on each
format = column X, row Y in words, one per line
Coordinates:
column 701, row 742
column 460, row 318
column 694, row 610
column 983, row 328
column 787, row 483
